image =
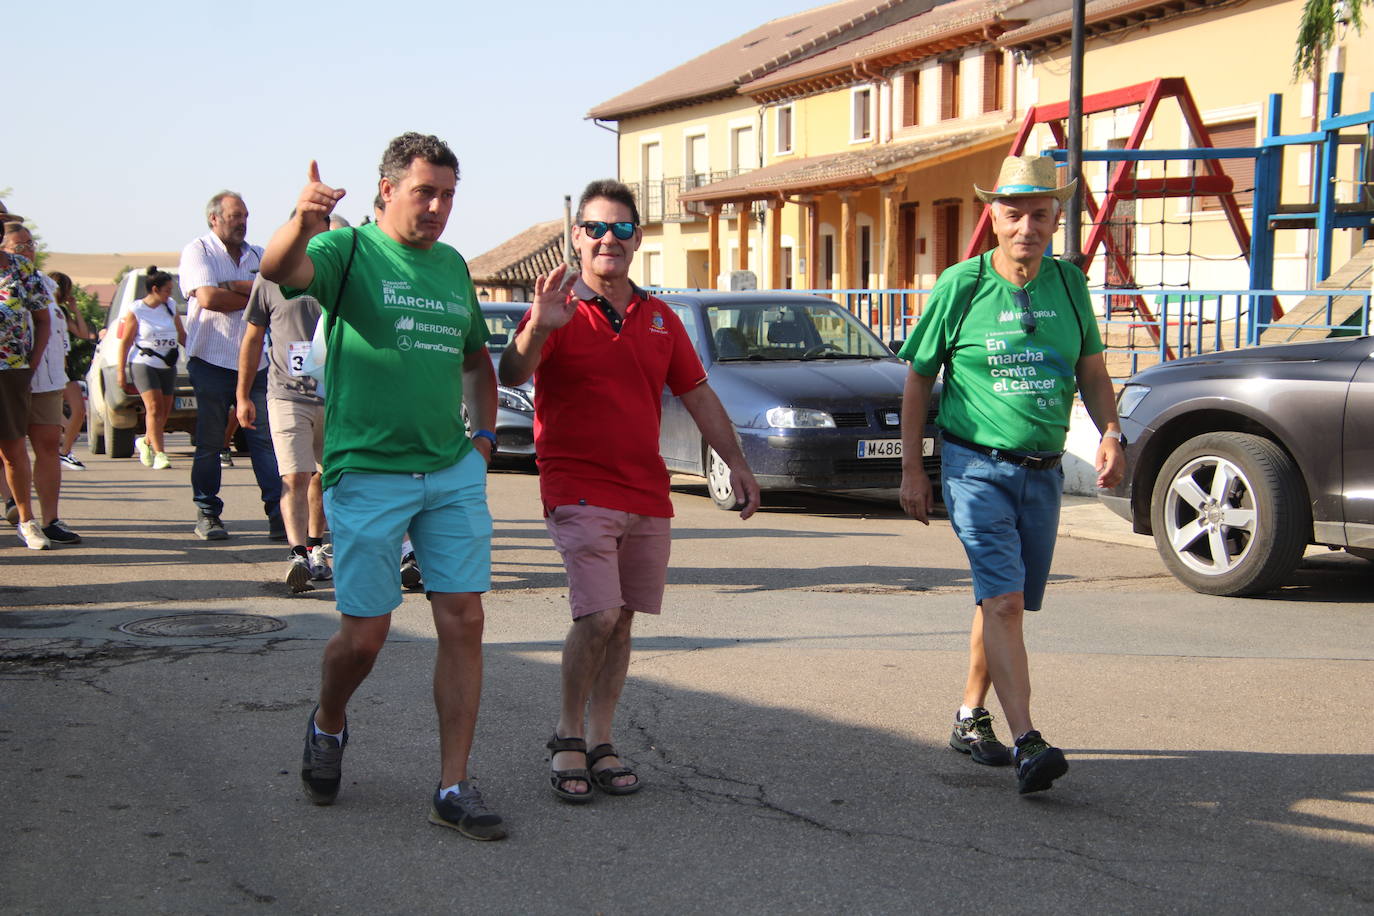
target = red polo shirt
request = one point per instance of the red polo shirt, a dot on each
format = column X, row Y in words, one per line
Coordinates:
column 598, row 404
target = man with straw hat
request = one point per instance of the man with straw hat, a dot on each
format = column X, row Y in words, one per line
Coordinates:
column 1015, row 335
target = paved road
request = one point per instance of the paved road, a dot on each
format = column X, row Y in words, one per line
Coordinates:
column 788, row 713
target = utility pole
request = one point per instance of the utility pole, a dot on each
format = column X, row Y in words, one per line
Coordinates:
column 1073, row 220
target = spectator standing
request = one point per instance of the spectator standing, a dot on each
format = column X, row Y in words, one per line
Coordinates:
column 153, row 333
column 601, row 357
column 217, row 272
column 406, row 350
column 72, row 394
column 1003, row 443
column 49, row 377
column 295, row 415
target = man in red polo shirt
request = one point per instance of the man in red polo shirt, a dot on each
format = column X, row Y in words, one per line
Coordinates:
column 601, row 353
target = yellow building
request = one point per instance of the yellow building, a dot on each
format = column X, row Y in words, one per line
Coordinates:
column 838, row 148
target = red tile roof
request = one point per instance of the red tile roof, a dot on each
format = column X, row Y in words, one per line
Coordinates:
column 718, row 72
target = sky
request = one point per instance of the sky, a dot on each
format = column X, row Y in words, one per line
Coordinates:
column 135, row 114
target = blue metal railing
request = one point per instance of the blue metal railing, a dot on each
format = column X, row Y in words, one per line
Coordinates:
column 1184, row 323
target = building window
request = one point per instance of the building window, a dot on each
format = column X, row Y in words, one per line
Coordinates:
column 861, row 118
column 950, row 89
column 785, row 268
column 651, row 173
column 698, row 164
column 744, row 153
column 784, row 123
column 827, row 277
column 911, row 98
column 992, row 81
column 653, row 268
column 1241, row 171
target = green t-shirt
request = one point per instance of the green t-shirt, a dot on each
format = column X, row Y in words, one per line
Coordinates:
column 1005, row 388
column 397, row 340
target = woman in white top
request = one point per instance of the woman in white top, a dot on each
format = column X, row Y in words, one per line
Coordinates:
column 153, row 332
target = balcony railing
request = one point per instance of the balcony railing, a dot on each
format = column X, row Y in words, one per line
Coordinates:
column 660, row 200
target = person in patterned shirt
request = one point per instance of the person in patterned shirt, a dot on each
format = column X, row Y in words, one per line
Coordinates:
column 24, row 329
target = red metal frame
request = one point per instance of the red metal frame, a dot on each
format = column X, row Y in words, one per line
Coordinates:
column 1123, row 184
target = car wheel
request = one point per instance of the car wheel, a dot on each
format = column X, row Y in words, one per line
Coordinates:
column 121, row 441
column 718, row 480
column 1230, row 514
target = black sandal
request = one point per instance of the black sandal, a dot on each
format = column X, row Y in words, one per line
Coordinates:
column 605, row 778
column 558, row 777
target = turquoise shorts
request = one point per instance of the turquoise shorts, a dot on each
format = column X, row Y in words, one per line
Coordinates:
column 448, row 520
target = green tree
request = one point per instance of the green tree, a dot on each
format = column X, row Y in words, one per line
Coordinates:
column 1317, row 30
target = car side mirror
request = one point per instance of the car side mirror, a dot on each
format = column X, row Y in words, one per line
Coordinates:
column 895, row 343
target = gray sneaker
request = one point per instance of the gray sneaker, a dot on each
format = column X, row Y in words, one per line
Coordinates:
column 298, row 574
column 466, row 813
column 322, row 763
column 210, row 528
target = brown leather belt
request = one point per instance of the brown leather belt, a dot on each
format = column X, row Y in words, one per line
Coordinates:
column 1020, row 459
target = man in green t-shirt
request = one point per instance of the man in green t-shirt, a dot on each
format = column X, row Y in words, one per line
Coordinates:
column 1015, row 335
column 405, row 337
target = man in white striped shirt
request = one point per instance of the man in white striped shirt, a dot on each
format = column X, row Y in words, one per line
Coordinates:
column 216, row 274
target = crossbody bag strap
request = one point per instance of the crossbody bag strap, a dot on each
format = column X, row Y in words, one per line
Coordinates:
column 1073, row 304
column 959, row 325
column 332, row 317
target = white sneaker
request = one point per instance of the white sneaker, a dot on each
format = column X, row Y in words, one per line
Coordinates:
column 145, row 451
column 31, row 533
column 161, row 462
column 319, row 564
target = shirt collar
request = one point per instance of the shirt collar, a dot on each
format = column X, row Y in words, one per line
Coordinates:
column 218, row 243
column 586, row 294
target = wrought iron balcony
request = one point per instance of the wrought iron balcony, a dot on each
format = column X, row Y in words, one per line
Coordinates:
column 660, row 200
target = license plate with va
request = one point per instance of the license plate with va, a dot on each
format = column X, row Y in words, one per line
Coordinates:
column 890, row 448
column 184, row 403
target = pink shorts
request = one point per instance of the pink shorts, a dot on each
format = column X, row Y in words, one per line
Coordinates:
column 613, row 559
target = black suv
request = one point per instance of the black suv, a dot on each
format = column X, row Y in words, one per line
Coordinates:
column 1240, row 459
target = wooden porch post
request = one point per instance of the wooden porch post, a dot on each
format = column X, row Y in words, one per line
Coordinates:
column 713, row 246
column 775, row 243
column 744, row 211
column 811, row 233
column 847, row 250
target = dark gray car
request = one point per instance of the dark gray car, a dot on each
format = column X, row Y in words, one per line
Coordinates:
column 1240, row 459
column 514, row 406
column 814, row 395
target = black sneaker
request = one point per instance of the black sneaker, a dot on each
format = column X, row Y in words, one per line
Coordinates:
column 1038, row 763
column 466, row 813
column 71, row 462
column 59, row 533
column 322, row 763
column 11, row 512
column 974, row 736
column 210, row 528
column 276, row 527
column 411, row 578
column 226, row 458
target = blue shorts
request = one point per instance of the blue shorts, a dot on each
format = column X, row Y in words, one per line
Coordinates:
column 1006, row 517
column 448, row 520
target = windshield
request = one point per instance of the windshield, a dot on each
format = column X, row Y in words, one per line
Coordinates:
column 501, row 324
column 776, row 331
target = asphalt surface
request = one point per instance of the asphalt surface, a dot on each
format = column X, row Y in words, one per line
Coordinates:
column 788, row 713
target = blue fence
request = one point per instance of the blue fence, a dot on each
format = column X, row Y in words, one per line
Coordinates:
column 1183, row 323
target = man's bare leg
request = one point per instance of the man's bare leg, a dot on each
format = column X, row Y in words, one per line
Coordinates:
column 584, row 656
column 1004, row 654
column 295, row 506
column 459, row 620
column 978, row 683
column 348, row 659
column 605, row 692
column 315, row 505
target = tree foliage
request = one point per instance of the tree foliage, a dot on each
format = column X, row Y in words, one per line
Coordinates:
column 1317, row 31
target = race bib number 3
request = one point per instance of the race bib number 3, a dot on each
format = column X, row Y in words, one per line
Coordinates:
column 297, row 351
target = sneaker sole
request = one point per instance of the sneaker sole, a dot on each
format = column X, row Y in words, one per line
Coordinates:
column 298, row 580
column 1042, row 776
column 1001, row 760
column 412, row 580
column 496, row 833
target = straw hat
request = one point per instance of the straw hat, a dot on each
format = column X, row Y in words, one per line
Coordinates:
column 1027, row 176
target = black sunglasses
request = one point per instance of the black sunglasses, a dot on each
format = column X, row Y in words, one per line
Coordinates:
column 1027, row 316
column 596, row 228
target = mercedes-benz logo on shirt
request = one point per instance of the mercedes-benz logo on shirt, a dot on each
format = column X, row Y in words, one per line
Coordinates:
column 404, row 343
